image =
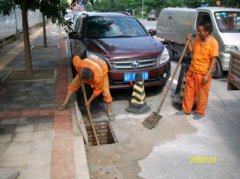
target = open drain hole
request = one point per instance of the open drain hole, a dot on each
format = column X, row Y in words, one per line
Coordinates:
column 104, row 132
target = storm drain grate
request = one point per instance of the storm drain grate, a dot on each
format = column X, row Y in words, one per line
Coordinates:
column 104, row 132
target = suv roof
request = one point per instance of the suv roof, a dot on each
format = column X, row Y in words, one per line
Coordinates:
column 106, row 14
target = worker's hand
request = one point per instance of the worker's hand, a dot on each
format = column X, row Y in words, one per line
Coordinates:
column 62, row 107
column 205, row 79
column 189, row 37
column 88, row 104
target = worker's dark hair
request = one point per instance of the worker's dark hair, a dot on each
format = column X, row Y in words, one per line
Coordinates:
column 207, row 26
column 86, row 73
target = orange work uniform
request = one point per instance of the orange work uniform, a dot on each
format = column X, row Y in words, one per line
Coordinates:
column 203, row 53
column 99, row 82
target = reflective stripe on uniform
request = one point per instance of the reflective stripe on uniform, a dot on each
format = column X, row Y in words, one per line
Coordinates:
column 96, row 65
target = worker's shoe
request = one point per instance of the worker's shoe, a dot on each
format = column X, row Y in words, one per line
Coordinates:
column 111, row 117
column 180, row 113
column 197, row 116
column 62, row 107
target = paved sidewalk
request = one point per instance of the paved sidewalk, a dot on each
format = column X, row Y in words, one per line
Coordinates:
column 37, row 141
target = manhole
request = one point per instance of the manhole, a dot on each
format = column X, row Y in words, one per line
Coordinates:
column 104, row 132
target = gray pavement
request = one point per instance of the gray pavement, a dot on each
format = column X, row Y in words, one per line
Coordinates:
column 28, row 145
column 31, row 130
column 27, row 95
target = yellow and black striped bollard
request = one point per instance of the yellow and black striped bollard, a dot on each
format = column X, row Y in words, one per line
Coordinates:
column 137, row 103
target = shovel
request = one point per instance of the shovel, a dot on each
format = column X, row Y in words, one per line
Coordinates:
column 89, row 114
column 152, row 120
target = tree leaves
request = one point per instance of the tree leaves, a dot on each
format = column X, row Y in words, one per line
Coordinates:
column 54, row 10
column 158, row 5
column 6, row 6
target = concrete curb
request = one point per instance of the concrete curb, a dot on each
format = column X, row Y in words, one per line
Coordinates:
column 81, row 165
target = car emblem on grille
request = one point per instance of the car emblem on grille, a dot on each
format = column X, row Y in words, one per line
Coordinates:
column 135, row 64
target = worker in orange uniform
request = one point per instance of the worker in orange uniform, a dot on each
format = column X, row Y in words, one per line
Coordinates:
column 95, row 73
column 204, row 51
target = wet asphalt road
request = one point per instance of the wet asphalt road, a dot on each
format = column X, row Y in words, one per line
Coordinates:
column 217, row 137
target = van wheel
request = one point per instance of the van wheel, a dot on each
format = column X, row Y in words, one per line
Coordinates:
column 217, row 72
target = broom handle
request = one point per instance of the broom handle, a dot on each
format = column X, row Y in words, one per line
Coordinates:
column 173, row 76
column 89, row 114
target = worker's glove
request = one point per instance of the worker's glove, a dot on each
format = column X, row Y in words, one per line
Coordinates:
column 62, row 107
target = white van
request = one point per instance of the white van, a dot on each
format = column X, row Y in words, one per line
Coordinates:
column 175, row 23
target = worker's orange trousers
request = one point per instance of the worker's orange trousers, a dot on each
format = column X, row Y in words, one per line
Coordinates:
column 195, row 90
column 106, row 92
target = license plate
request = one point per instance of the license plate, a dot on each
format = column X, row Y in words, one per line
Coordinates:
column 131, row 76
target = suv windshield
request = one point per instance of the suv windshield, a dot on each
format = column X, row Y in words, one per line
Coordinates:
column 114, row 27
column 228, row 21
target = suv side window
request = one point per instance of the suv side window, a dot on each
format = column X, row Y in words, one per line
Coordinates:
column 79, row 24
column 78, row 43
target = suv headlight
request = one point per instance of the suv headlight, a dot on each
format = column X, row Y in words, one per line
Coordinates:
column 228, row 48
column 164, row 57
column 92, row 55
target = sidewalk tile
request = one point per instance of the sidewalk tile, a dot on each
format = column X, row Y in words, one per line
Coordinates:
column 36, row 138
column 36, row 172
column 38, row 159
column 25, row 128
column 66, row 112
column 43, row 127
column 10, row 121
column 5, row 138
column 14, row 160
column 45, row 112
column 18, row 148
column 22, row 137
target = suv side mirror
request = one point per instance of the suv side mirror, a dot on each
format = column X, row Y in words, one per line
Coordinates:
column 74, row 35
column 152, row 32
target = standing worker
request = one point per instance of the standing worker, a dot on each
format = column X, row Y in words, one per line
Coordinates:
column 95, row 73
column 204, row 51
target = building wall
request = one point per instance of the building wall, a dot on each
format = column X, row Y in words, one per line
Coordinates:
column 12, row 24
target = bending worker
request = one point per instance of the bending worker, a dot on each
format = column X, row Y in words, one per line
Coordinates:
column 95, row 73
column 204, row 51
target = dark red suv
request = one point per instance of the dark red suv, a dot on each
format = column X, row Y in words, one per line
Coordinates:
column 124, row 44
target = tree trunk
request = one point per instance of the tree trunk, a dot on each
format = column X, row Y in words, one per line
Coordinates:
column 44, row 31
column 28, row 57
